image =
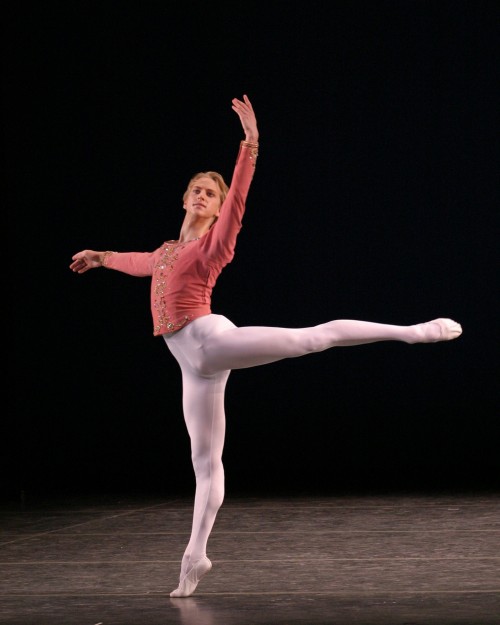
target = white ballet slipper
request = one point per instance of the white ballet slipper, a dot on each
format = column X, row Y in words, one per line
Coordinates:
column 448, row 330
column 190, row 581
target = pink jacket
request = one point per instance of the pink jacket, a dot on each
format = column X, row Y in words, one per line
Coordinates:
column 184, row 274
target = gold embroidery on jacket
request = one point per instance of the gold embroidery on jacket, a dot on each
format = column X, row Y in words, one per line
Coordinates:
column 163, row 268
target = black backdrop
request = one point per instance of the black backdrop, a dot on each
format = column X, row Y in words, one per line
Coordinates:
column 375, row 197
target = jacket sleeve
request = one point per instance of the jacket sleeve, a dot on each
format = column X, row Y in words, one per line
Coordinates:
column 222, row 241
column 139, row 264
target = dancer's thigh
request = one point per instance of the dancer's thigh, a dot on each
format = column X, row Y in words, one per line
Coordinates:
column 213, row 344
column 251, row 346
column 203, row 407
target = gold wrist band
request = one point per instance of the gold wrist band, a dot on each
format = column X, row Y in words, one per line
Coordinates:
column 249, row 144
column 105, row 257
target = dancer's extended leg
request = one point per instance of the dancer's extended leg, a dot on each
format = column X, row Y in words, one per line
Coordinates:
column 250, row 346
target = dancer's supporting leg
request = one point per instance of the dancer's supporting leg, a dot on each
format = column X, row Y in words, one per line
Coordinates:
column 203, row 405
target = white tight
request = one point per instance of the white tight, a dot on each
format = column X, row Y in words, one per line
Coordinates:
column 208, row 348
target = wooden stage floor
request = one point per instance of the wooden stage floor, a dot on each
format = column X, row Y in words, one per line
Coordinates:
column 331, row 560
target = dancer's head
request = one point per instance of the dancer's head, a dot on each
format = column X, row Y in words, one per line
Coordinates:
column 211, row 185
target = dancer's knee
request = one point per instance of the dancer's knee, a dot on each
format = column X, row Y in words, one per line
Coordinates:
column 204, row 464
column 206, row 467
column 315, row 339
column 209, row 472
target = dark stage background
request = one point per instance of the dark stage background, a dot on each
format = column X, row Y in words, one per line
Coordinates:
column 375, row 197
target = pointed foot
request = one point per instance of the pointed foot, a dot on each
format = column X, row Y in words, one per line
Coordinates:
column 190, row 581
column 447, row 330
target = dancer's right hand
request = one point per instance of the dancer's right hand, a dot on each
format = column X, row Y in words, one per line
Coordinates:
column 85, row 260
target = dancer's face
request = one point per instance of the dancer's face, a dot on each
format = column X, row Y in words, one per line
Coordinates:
column 203, row 199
